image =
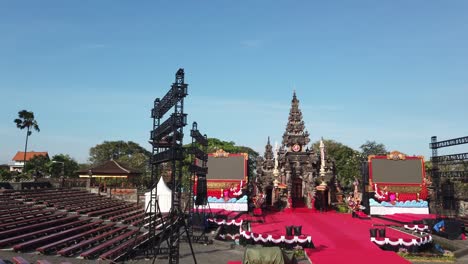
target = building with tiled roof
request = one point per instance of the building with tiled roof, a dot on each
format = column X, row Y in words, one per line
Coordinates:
column 18, row 159
column 109, row 169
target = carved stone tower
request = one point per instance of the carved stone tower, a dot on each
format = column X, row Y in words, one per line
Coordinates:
column 299, row 165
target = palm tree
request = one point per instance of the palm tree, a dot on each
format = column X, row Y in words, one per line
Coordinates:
column 26, row 120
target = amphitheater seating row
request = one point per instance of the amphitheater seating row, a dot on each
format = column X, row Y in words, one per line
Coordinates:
column 22, row 214
column 94, row 241
column 95, row 251
column 67, row 242
column 120, row 217
column 35, row 227
column 42, row 232
column 32, row 222
column 119, row 212
column 32, row 244
column 119, row 250
column 21, row 260
column 47, row 215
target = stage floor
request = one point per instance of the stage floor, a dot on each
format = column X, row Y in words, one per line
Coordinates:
column 338, row 238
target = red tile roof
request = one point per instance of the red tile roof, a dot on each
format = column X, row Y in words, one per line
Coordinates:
column 29, row 155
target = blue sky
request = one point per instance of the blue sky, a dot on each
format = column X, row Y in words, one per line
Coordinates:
column 390, row 71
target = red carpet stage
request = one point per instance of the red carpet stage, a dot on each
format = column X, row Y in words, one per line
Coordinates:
column 338, row 238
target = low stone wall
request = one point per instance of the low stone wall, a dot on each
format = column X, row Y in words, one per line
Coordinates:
column 463, row 208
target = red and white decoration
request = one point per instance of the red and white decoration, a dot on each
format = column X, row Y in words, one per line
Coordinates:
column 256, row 237
column 237, row 222
column 275, row 239
column 229, row 236
column 402, row 241
column 421, row 228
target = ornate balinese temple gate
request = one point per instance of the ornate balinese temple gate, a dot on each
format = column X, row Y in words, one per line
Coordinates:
column 292, row 169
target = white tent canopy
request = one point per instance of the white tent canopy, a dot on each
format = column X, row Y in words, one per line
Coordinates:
column 164, row 195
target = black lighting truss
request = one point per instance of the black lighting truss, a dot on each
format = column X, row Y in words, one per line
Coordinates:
column 167, row 140
column 198, row 165
column 447, row 143
column 437, row 160
column 451, row 157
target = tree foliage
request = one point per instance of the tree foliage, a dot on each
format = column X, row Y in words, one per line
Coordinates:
column 26, row 120
column 63, row 162
column 116, row 150
column 5, row 175
column 347, row 161
column 37, row 166
column 372, row 148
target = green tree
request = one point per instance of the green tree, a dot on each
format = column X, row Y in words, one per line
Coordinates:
column 347, row 160
column 5, row 175
column 372, row 148
column 116, row 150
column 63, row 162
column 37, row 166
column 26, row 120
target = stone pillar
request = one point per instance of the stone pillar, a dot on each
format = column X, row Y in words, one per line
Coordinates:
column 289, row 187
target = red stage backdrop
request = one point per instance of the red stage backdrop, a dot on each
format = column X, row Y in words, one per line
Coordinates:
column 399, row 174
column 225, row 171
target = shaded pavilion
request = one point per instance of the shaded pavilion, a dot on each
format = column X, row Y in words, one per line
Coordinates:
column 109, row 171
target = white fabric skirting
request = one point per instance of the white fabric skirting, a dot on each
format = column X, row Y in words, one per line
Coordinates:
column 416, row 227
column 236, row 222
column 382, row 210
column 275, row 239
column 403, row 242
column 238, row 207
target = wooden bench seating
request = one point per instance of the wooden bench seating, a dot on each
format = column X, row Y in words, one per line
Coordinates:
column 74, row 205
column 85, row 206
column 54, row 237
column 95, row 208
column 141, row 221
column 88, row 243
column 20, row 260
column 133, row 218
column 119, row 212
column 107, row 210
column 42, row 232
column 28, row 228
column 43, row 262
column 117, row 218
column 118, row 251
column 108, row 244
column 58, row 245
column 25, row 216
column 18, row 213
column 72, row 198
column 46, row 217
column 18, row 208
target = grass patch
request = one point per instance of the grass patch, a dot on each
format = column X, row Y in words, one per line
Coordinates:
column 428, row 257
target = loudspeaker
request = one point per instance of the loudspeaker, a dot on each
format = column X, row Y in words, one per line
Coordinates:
column 382, row 232
column 365, row 173
column 297, row 230
column 201, row 191
column 289, row 230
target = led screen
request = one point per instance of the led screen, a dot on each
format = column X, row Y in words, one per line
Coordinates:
column 232, row 167
column 397, row 171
